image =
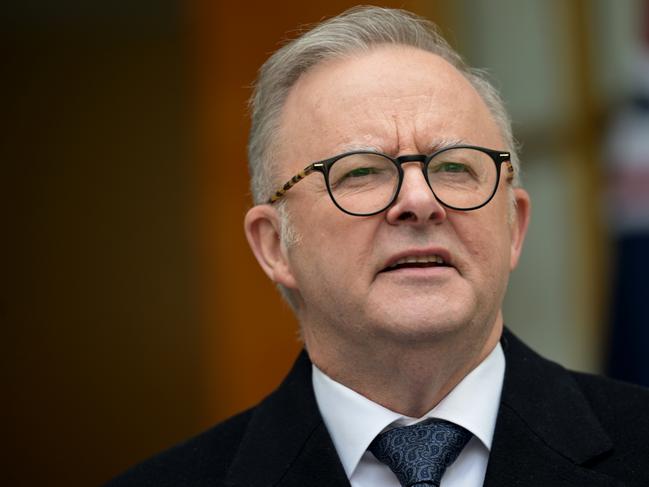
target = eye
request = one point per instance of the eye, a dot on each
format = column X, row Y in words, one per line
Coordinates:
column 361, row 171
column 357, row 175
column 450, row 167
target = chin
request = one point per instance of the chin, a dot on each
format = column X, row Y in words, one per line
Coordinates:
column 421, row 329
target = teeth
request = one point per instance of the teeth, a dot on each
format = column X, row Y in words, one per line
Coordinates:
column 422, row 259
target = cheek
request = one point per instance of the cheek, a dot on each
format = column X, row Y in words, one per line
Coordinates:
column 335, row 248
column 487, row 242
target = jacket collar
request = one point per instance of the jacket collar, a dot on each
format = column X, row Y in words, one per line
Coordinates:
column 546, row 432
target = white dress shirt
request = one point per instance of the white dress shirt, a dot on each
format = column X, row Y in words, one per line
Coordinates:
column 354, row 421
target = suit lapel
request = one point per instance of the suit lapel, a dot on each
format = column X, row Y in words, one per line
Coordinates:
column 286, row 443
column 317, row 464
column 546, row 433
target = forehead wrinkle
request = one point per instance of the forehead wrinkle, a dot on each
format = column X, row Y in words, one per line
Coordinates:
column 365, row 131
column 389, row 120
column 406, row 137
column 422, row 144
column 430, row 138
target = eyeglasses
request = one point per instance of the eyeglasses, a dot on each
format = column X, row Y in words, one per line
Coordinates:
column 364, row 183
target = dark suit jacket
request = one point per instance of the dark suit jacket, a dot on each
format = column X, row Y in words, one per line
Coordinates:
column 555, row 428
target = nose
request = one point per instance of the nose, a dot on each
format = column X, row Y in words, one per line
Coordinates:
column 415, row 204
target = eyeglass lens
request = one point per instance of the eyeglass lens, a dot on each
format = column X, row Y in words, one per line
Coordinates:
column 364, row 183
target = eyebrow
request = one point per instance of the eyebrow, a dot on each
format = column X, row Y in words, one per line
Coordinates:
column 432, row 146
column 351, row 147
column 441, row 143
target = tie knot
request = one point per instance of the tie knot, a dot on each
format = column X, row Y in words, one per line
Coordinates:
column 419, row 454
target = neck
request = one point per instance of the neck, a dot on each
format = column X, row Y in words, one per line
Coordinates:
column 408, row 378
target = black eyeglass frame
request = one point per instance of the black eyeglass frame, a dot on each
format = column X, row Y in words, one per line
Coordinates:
column 324, row 166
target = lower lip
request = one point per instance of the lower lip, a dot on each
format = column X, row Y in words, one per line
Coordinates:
column 420, row 272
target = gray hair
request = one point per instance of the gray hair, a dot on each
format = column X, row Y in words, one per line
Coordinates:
column 358, row 29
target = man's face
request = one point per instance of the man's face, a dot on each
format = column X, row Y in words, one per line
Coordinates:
column 396, row 100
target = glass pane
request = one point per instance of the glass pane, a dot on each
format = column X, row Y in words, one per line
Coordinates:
column 463, row 178
column 363, row 182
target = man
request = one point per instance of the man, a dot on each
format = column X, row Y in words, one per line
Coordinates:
column 389, row 212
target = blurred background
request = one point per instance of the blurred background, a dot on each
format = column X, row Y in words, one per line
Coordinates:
column 133, row 314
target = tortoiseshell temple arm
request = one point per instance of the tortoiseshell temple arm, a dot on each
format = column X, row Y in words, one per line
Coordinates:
column 510, row 171
column 292, row 182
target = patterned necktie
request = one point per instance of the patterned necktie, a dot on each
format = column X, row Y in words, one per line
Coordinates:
column 419, row 454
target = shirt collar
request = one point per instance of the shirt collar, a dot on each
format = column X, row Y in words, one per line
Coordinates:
column 353, row 420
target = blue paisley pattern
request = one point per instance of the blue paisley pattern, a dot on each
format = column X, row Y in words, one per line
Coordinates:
column 419, row 454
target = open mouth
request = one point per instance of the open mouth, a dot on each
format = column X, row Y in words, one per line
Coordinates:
column 417, row 262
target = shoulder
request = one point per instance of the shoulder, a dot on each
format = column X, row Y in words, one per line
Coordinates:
column 200, row 461
column 279, row 425
column 582, row 427
column 621, row 407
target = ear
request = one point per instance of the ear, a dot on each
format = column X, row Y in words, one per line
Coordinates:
column 521, row 219
column 263, row 229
